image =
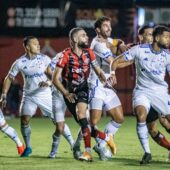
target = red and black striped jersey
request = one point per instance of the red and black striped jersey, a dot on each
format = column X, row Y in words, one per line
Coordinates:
column 76, row 69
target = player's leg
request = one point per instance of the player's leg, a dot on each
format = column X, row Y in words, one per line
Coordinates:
column 11, row 133
column 81, row 114
column 156, row 135
column 27, row 110
column 141, row 105
column 58, row 109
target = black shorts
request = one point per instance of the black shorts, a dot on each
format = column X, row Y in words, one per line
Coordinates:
column 81, row 93
column 152, row 115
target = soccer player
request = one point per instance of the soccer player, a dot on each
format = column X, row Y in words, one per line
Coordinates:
column 151, row 61
column 74, row 68
column 59, row 108
column 145, row 37
column 10, row 132
column 33, row 66
column 101, row 97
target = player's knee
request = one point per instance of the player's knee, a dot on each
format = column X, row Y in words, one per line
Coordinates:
column 83, row 122
column 119, row 119
column 60, row 128
column 25, row 120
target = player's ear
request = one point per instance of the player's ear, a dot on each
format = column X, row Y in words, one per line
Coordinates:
column 75, row 39
column 140, row 38
column 97, row 30
column 157, row 38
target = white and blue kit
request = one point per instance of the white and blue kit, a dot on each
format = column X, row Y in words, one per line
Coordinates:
column 151, row 88
column 33, row 72
column 101, row 97
column 58, row 103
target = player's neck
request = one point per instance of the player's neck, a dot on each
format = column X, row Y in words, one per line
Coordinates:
column 77, row 51
column 30, row 55
column 102, row 38
column 155, row 47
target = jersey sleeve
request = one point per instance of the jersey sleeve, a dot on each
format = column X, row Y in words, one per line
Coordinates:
column 47, row 61
column 131, row 54
column 102, row 51
column 14, row 70
column 62, row 61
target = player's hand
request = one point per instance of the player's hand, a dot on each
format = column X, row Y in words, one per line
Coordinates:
column 44, row 84
column 71, row 97
column 3, row 101
column 111, row 81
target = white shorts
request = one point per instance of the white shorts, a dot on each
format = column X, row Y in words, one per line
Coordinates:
column 59, row 106
column 2, row 119
column 103, row 98
column 30, row 103
column 160, row 101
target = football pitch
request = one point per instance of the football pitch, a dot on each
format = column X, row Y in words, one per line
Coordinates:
column 127, row 158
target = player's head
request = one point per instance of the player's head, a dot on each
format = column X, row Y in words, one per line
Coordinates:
column 31, row 45
column 161, row 36
column 145, row 34
column 103, row 26
column 78, row 38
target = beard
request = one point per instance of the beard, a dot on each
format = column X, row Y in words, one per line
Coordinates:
column 83, row 45
column 163, row 46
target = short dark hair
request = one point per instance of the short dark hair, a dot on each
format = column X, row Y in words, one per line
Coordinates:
column 73, row 32
column 142, row 29
column 27, row 39
column 100, row 20
column 159, row 29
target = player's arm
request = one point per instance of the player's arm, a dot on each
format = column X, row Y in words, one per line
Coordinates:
column 99, row 72
column 57, row 77
column 6, row 85
column 47, row 83
column 7, row 82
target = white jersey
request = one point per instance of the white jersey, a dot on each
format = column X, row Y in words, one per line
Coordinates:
column 33, row 72
column 150, row 67
column 102, row 52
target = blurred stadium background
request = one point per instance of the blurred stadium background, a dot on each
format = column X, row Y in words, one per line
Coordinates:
column 51, row 20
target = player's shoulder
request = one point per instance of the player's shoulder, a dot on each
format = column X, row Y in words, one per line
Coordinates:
column 22, row 59
column 88, row 51
column 66, row 51
column 40, row 55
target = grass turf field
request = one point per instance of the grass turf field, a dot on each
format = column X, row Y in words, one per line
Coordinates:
column 127, row 158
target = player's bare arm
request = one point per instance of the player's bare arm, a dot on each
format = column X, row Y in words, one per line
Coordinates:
column 57, row 83
column 6, row 85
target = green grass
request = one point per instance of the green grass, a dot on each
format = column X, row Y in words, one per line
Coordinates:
column 127, row 158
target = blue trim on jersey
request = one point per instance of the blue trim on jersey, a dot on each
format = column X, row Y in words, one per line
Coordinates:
column 153, row 51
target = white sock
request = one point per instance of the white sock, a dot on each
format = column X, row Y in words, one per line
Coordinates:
column 112, row 127
column 55, row 143
column 11, row 132
column 68, row 136
column 143, row 136
column 26, row 133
